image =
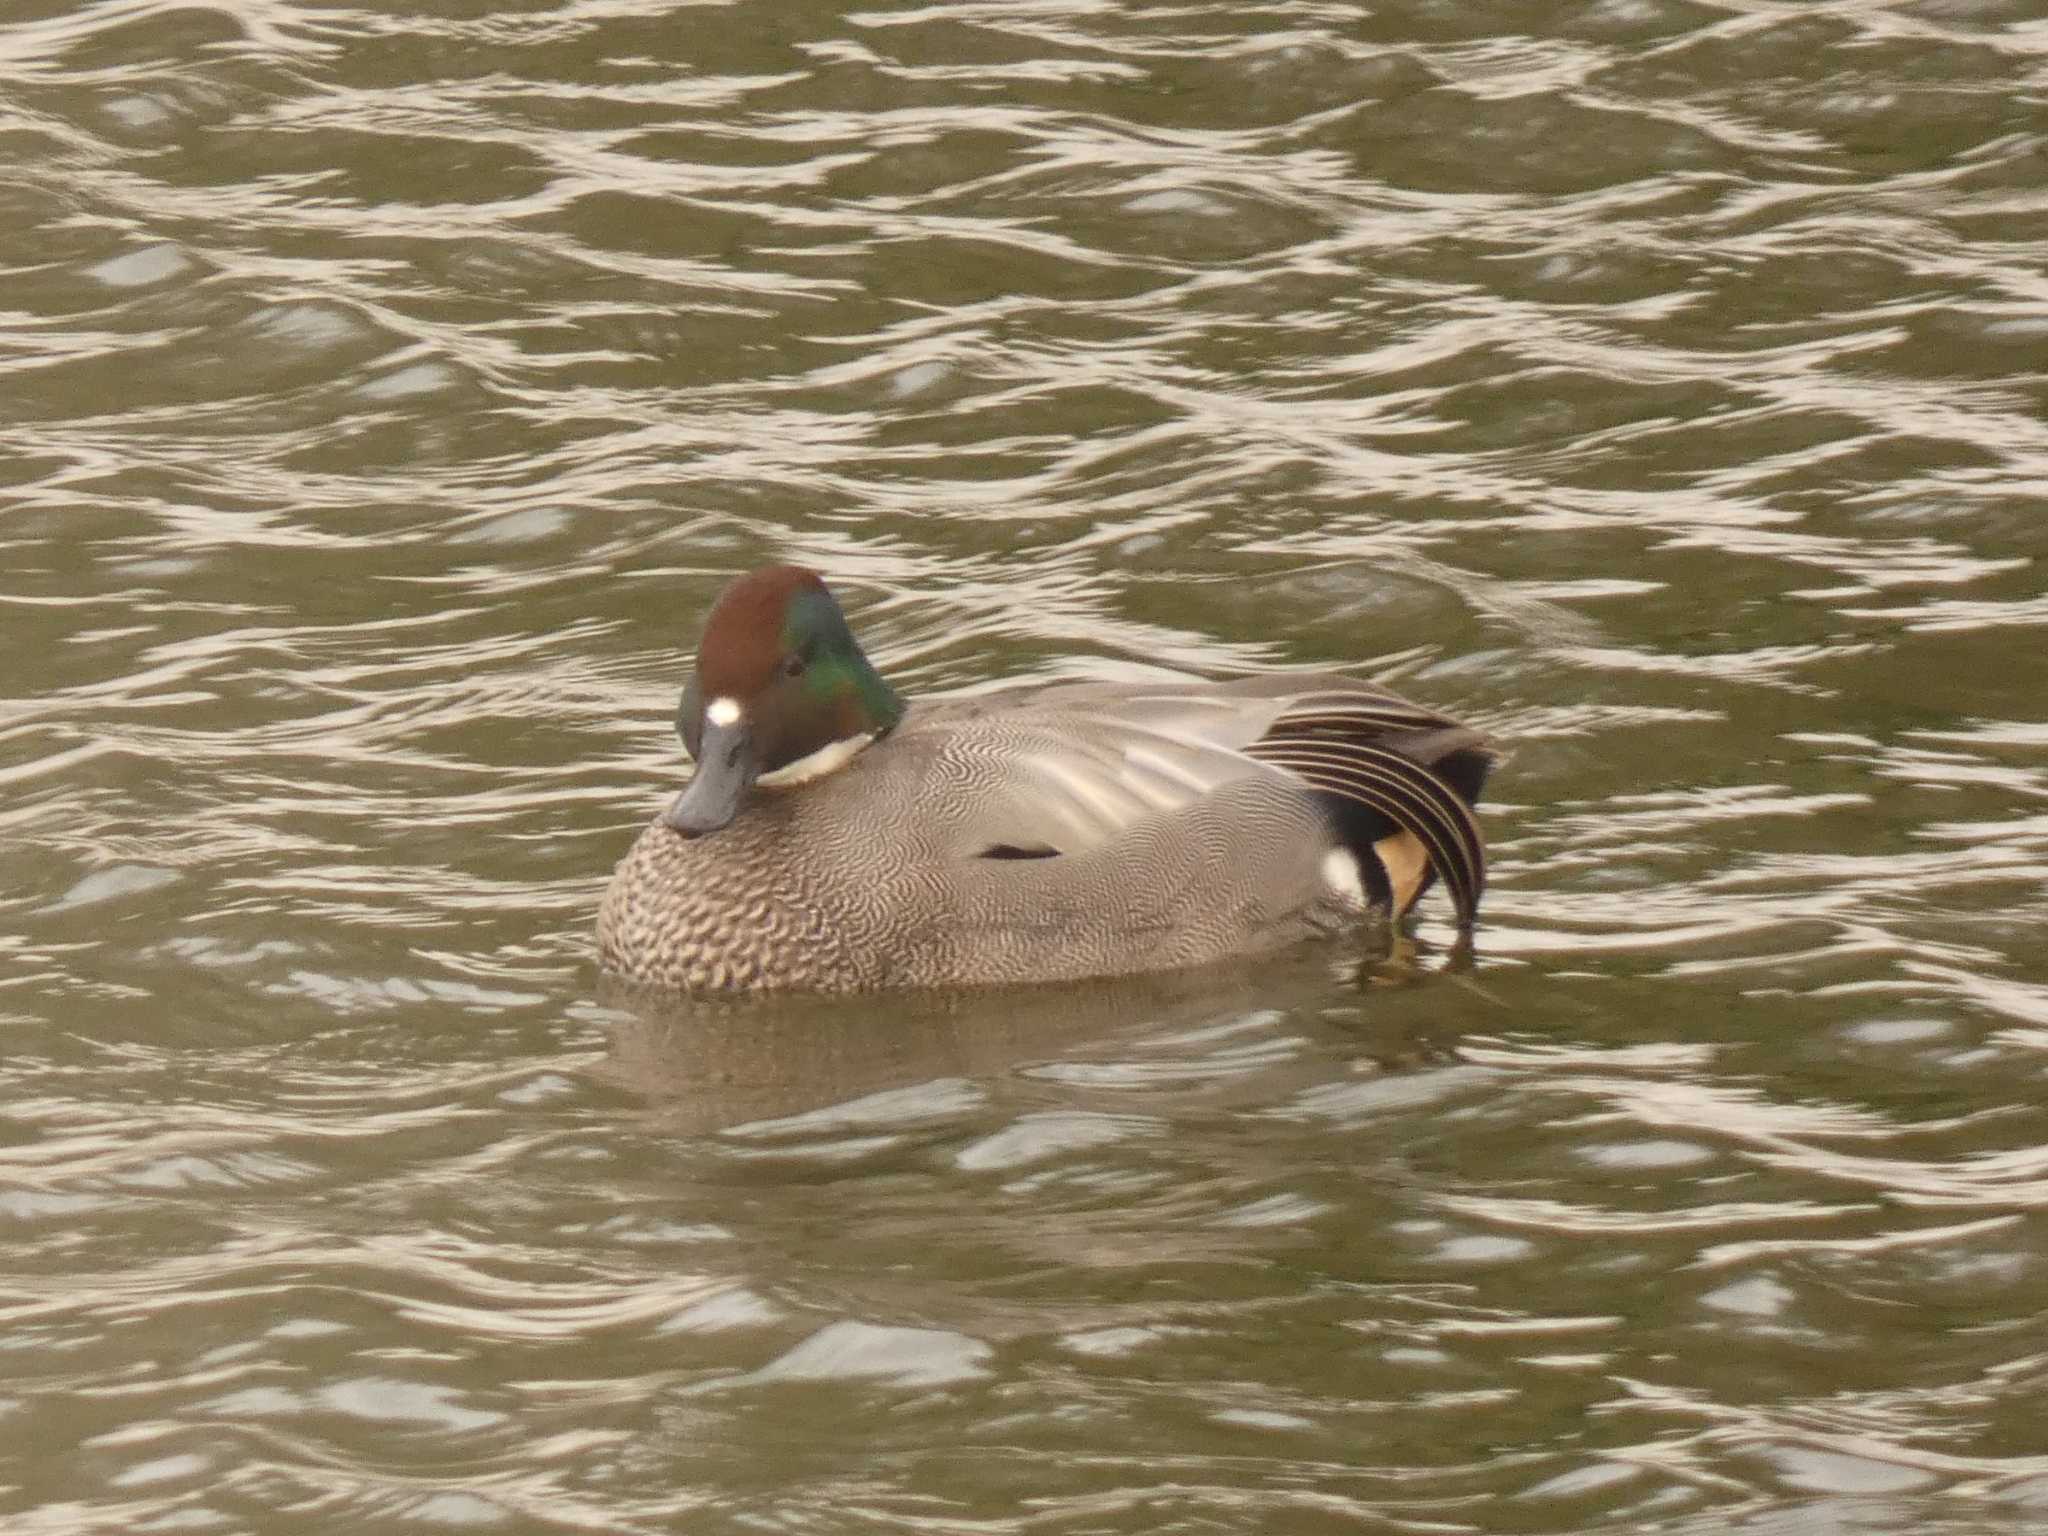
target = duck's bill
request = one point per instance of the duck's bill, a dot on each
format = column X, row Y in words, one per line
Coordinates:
column 726, row 768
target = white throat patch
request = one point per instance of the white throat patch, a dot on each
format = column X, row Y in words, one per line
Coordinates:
column 829, row 758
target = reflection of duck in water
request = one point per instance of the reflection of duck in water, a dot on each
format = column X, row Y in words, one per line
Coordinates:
column 834, row 838
column 704, row 1064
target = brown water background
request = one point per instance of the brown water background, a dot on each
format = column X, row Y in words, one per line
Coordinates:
column 384, row 392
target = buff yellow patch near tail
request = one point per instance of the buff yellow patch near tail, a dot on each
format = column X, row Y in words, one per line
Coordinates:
column 1407, row 866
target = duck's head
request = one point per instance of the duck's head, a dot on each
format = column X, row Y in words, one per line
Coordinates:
column 782, row 693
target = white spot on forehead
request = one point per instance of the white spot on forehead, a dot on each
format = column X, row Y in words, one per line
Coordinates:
column 723, row 711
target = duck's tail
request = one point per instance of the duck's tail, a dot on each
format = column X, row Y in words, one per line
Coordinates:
column 1400, row 781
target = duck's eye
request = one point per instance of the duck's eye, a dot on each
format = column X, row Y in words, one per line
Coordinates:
column 794, row 667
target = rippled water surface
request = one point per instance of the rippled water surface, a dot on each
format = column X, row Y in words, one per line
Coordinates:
column 384, row 392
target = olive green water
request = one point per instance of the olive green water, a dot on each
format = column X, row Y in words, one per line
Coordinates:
column 384, row 392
